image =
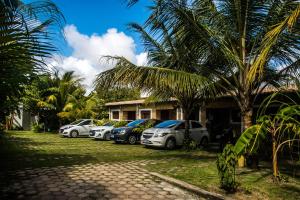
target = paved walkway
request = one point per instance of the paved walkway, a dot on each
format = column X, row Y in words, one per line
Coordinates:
column 92, row 181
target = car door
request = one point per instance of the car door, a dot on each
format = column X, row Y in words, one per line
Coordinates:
column 179, row 133
column 196, row 131
column 86, row 127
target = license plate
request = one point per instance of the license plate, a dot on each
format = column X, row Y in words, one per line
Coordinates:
column 145, row 141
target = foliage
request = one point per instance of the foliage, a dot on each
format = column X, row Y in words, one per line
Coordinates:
column 37, row 128
column 101, row 122
column 48, row 95
column 283, row 127
column 118, row 124
column 244, row 46
column 140, row 128
column 26, row 33
column 226, row 164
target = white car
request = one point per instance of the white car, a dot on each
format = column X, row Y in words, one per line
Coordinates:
column 102, row 132
column 78, row 128
column 170, row 134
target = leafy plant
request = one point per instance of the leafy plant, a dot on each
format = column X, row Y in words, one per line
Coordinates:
column 37, row 127
column 140, row 128
column 283, row 128
column 226, row 165
column 118, row 124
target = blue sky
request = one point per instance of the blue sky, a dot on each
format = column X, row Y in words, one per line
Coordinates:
column 96, row 16
column 96, row 28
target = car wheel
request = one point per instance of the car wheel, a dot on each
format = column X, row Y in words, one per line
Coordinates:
column 132, row 139
column 106, row 136
column 204, row 142
column 74, row 134
column 170, row 143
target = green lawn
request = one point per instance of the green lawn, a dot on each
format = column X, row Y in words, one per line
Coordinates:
column 19, row 150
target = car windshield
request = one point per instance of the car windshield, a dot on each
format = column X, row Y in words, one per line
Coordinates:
column 76, row 122
column 136, row 123
column 167, row 124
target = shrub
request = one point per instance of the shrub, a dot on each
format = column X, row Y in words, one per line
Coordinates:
column 101, row 122
column 139, row 129
column 118, row 124
column 226, row 164
column 37, row 128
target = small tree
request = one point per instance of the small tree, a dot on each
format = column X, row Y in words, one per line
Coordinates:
column 283, row 128
column 226, row 164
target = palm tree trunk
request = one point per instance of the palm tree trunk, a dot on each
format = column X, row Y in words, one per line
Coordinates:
column 187, row 138
column 275, row 160
column 246, row 119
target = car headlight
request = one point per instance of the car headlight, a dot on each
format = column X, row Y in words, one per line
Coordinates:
column 122, row 132
column 160, row 134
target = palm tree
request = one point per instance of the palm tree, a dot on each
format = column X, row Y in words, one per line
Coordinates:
column 60, row 88
column 25, row 42
column 174, row 72
column 249, row 40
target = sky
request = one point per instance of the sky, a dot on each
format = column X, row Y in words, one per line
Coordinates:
column 97, row 28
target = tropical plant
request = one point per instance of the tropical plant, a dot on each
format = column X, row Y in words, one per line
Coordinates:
column 25, row 33
column 140, row 128
column 226, row 164
column 283, row 128
column 47, row 95
column 247, row 45
column 118, row 124
column 174, row 72
column 79, row 106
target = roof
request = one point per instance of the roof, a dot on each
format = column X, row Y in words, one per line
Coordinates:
column 134, row 102
column 131, row 102
column 268, row 89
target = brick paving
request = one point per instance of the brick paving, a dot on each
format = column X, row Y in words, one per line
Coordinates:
column 127, row 180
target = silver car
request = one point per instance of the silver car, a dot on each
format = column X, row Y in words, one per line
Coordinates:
column 77, row 128
column 170, row 134
column 102, row 132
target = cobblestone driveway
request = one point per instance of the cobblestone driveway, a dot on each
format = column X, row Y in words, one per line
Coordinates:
column 92, row 181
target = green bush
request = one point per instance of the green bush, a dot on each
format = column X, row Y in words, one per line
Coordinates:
column 118, row 124
column 37, row 128
column 101, row 122
column 226, row 164
column 139, row 129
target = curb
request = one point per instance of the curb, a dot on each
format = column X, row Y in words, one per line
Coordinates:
column 189, row 187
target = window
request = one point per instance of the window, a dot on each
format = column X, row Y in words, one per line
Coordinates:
column 181, row 126
column 87, row 122
column 115, row 115
column 196, row 125
column 145, row 114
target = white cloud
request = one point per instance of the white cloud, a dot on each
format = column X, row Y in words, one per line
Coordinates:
column 88, row 51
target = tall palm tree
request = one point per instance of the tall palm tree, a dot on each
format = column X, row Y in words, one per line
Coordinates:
column 251, row 39
column 25, row 41
column 247, row 44
column 174, row 72
column 60, row 88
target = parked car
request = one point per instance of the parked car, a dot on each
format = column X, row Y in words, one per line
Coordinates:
column 126, row 134
column 77, row 128
column 170, row 134
column 102, row 132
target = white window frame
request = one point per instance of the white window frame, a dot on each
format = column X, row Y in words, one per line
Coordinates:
column 148, row 109
column 111, row 114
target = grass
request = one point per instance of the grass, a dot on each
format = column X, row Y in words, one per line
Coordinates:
column 19, row 150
